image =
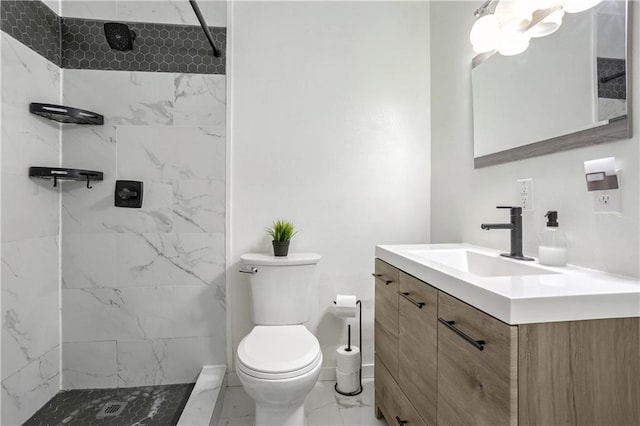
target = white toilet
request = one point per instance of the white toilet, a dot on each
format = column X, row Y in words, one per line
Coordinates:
column 279, row 361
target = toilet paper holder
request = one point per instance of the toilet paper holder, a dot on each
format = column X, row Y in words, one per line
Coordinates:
column 359, row 390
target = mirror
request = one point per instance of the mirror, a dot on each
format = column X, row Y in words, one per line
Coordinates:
column 566, row 90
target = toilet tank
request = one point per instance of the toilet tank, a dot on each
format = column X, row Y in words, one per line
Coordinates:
column 280, row 286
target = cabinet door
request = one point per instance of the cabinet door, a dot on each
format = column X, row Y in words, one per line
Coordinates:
column 477, row 367
column 391, row 401
column 386, row 316
column 418, row 345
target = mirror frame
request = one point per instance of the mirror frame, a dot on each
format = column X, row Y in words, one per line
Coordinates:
column 616, row 129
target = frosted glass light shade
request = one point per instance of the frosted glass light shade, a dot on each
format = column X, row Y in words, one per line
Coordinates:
column 513, row 43
column 548, row 25
column 545, row 4
column 485, row 34
column 575, row 6
column 514, row 15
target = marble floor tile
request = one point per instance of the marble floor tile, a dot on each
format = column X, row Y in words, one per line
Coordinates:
column 323, row 407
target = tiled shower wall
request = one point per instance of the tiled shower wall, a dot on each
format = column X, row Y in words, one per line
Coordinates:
column 143, row 290
column 143, row 298
column 143, row 293
column 30, row 229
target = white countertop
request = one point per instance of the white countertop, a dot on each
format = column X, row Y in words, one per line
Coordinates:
column 574, row 293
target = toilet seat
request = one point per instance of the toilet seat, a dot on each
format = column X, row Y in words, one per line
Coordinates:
column 278, row 352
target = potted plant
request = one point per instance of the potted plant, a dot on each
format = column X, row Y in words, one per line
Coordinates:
column 281, row 232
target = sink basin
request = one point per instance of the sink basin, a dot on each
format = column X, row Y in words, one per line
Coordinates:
column 480, row 264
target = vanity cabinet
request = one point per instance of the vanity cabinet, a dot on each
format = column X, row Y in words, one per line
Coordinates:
column 417, row 345
column 477, row 366
column 406, row 347
column 440, row 361
column 386, row 315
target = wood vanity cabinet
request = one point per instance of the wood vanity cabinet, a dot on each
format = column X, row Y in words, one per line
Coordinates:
column 405, row 374
column 477, row 366
column 386, row 315
column 453, row 364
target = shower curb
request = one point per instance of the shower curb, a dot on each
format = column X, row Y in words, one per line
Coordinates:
column 205, row 402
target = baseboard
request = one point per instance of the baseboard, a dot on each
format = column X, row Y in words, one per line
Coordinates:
column 327, row 374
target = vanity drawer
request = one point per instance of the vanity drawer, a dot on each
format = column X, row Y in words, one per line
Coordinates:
column 386, row 315
column 417, row 344
column 477, row 366
column 391, row 401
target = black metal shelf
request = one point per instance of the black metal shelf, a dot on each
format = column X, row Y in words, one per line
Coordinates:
column 61, row 173
column 65, row 114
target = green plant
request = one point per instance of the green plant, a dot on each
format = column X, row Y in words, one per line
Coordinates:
column 281, row 230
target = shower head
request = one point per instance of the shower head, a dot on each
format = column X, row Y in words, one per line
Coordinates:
column 119, row 36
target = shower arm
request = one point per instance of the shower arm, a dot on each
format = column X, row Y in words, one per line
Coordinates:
column 205, row 28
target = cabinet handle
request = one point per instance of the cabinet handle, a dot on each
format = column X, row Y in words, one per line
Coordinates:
column 419, row 305
column 401, row 422
column 478, row 344
column 382, row 278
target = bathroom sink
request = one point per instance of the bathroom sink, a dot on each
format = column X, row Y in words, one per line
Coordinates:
column 480, row 264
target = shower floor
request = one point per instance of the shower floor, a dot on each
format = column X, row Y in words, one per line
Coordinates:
column 145, row 406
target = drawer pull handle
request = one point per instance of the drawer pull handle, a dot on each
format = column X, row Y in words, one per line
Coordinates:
column 382, row 278
column 419, row 305
column 401, row 422
column 478, row 344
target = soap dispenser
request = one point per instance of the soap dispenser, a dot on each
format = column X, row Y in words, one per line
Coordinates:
column 553, row 243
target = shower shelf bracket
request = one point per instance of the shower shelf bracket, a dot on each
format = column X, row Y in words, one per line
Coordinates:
column 65, row 114
column 60, row 173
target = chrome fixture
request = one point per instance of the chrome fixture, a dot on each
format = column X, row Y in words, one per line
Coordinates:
column 507, row 26
column 516, row 232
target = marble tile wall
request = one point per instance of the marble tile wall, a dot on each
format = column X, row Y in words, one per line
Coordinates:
column 143, row 290
column 30, row 228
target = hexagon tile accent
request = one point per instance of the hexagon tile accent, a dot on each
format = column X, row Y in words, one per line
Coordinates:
column 612, row 88
column 157, row 47
column 33, row 24
column 81, row 43
column 146, row 405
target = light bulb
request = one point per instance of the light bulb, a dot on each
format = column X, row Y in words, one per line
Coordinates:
column 575, row 6
column 548, row 25
column 485, row 34
column 514, row 15
column 513, row 43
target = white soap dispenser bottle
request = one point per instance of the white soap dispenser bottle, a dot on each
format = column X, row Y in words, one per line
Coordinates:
column 553, row 243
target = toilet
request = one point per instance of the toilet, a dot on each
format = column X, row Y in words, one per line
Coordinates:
column 279, row 361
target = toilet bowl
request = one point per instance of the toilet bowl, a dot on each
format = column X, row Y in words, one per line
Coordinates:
column 278, row 367
column 279, row 361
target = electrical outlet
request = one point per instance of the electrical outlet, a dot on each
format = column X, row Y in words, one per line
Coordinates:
column 606, row 201
column 524, row 189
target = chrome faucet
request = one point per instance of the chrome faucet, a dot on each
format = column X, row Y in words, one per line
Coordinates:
column 516, row 232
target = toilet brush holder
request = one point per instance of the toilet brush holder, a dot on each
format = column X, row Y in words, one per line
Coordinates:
column 359, row 353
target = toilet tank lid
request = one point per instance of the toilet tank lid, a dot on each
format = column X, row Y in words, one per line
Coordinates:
column 291, row 260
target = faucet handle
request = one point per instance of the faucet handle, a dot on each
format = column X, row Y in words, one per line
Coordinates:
column 514, row 210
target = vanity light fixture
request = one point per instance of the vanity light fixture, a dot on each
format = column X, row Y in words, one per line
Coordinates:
column 507, row 26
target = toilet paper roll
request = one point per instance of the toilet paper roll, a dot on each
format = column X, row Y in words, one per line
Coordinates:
column 348, row 361
column 347, row 382
column 345, row 306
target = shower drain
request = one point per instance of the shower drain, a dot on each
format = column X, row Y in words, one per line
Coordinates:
column 111, row 409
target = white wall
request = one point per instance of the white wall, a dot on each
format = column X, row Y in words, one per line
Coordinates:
column 330, row 129
column 463, row 197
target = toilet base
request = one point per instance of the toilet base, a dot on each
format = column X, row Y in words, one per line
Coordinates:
column 267, row 415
